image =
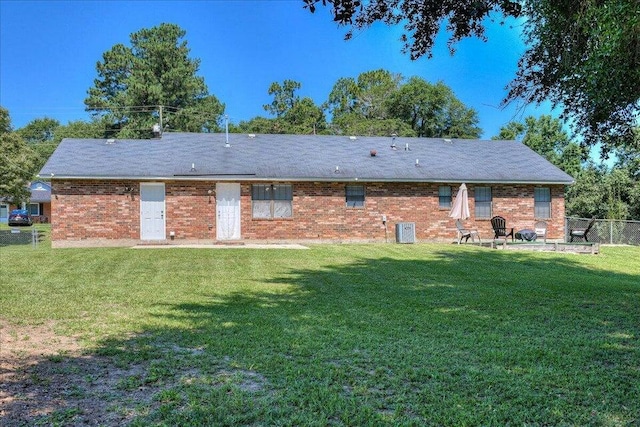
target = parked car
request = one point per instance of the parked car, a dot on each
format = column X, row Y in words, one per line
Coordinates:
column 20, row 217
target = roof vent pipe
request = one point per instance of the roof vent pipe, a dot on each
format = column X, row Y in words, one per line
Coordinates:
column 406, row 147
column 157, row 130
column 226, row 131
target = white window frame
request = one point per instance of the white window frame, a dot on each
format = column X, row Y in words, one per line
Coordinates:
column 37, row 210
column 355, row 196
column 542, row 202
column 482, row 203
column 444, row 199
column 267, row 201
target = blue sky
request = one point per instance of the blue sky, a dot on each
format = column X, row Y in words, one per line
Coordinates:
column 49, row 50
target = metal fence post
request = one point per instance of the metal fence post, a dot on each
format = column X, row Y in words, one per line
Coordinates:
column 611, row 232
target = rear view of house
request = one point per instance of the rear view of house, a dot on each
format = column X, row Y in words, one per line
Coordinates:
column 216, row 188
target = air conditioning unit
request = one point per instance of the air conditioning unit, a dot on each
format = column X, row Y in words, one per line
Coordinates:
column 406, row 232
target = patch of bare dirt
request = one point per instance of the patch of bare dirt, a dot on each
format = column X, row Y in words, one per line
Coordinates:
column 46, row 378
column 43, row 374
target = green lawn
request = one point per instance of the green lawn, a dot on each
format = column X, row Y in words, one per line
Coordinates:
column 348, row 335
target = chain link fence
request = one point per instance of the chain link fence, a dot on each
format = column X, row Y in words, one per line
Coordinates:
column 19, row 236
column 607, row 231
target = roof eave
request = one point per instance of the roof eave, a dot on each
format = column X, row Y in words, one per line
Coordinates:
column 248, row 177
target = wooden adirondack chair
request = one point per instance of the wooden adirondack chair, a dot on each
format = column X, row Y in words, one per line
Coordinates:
column 500, row 229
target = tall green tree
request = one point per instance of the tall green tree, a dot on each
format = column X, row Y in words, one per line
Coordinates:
column 284, row 97
column 582, row 55
column 39, row 135
column 512, row 130
column 294, row 115
column 39, row 130
column 365, row 96
column 152, row 80
column 546, row 136
column 374, row 89
column 358, row 106
column 205, row 115
column 17, row 163
column 343, row 97
column 584, row 199
column 81, row 129
column 432, row 110
column 355, row 124
column 604, row 193
column 379, row 102
column 628, row 160
column 305, row 117
column 5, row 120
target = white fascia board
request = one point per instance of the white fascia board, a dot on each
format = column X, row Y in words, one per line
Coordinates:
column 236, row 178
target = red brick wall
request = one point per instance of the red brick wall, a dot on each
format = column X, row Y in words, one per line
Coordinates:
column 190, row 215
column 94, row 210
column 103, row 209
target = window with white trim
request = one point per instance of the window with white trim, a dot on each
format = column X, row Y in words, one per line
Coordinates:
column 483, row 202
column 542, row 202
column 444, row 196
column 272, row 200
column 354, row 195
column 34, row 209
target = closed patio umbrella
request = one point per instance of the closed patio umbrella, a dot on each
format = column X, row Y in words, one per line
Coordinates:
column 460, row 207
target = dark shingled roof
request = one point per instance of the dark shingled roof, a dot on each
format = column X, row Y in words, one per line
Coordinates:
column 190, row 156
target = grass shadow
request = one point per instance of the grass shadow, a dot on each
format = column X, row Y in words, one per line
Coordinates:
column 382, row 336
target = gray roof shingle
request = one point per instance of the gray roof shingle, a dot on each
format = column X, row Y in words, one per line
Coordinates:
column 302, row 157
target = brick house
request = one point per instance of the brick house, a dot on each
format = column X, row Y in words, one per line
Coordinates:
column 217, row 187
column 39, row 204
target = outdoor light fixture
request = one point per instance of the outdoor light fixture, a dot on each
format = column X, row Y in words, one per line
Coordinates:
column 128, row 189
column 209, row 193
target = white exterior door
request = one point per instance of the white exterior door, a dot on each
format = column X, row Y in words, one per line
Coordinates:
column 4, row 212
column 152, row 208
column 228, row 211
